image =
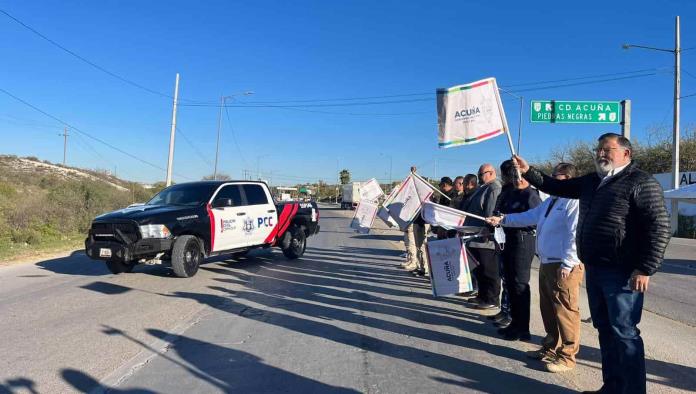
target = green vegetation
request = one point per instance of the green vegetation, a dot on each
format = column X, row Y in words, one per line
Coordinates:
column 49, row 210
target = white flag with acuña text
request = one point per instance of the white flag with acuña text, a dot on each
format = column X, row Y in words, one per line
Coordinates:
column 442, row 216
column 406, row 203
column 364, row 216
column 371, row 190
column 449, row 267
column 470, row 113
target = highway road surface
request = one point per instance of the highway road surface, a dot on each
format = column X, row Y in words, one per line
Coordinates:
column 342, row 319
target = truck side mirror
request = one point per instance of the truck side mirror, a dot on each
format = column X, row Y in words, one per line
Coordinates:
column 222, row 202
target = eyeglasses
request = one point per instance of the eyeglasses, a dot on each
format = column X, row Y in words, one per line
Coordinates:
column 480, row 174
column 605, row 150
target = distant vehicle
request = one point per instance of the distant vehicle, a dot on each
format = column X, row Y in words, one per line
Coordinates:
column 187, row 222
column 350, row 196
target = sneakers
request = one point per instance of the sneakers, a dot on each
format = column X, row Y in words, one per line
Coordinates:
column 557, row 366
column 497, row 317
column 502, row 323
column 542, row 354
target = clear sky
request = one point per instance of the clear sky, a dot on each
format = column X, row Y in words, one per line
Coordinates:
column 295, row 54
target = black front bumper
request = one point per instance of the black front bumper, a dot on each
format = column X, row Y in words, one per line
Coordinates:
column 126, row 252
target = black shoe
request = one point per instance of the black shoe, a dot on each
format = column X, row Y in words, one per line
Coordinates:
column 511, row 334
column 418, row 272
column 472, row 293
column 502, row 323
column 485, row 306
column 497, row 317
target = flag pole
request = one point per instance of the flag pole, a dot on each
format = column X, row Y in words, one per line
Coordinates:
column 433, row 187
column 505, row 123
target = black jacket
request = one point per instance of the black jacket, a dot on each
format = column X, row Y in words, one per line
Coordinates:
column 622, row 223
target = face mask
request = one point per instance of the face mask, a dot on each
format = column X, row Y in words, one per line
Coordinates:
column 499, row 236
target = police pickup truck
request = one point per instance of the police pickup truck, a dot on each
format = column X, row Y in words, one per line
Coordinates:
column 187, row 222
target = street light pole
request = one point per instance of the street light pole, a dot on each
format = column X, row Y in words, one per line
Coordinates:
column 675, row 137
column 674, row 221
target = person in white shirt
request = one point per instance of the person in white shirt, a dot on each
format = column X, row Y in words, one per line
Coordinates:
column 560, row 273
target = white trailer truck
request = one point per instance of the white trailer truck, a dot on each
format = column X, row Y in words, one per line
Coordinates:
column 350, row 196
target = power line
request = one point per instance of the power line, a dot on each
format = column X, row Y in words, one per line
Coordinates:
column 688, row 73
column 83, row 59
column 85, row 133
column 234, row 138
column 308, row 105
column 291, row 101
column 195, row 150
column 322, row 103
column 586, row 77
column 583, row 83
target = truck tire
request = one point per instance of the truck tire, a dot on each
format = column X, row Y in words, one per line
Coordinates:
column 119, row 267
column 298, row 243
column 186, row 256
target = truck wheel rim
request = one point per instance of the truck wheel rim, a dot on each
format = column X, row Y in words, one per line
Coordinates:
column 192, row 255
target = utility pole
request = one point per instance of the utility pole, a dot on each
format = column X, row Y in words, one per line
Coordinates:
column 65, row 144
column 675, row 138
column 172, row 134
column 674, row 221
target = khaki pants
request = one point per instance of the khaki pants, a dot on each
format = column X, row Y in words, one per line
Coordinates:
column 421, row 256
column 411, row 251
column 558, row 301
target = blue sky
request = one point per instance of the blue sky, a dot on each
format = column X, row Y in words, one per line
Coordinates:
column 320, row 50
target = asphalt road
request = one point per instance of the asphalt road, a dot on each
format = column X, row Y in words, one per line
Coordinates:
column 341, row 319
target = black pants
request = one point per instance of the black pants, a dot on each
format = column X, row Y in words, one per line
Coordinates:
column 487, row 275
column 517, row 264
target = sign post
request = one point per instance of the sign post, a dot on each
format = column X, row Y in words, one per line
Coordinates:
column 626, row 118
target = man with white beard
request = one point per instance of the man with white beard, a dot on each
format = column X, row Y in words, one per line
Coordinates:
column 622, row 234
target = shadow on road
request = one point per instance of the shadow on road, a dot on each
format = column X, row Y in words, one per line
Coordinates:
column 18, row 384
column 380, row 237
column 322, row 294
column 228, row 370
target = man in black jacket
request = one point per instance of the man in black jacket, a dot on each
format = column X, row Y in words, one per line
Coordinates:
column 622, row 234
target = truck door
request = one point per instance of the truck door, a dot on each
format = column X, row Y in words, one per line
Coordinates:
column 261, row 216
column 228, row 212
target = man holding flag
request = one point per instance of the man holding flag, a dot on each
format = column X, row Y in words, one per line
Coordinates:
column 483, row 248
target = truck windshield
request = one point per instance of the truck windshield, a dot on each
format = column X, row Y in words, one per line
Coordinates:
column 190, row 195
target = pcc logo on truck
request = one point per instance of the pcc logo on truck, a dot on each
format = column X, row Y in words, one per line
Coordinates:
column 265, row 221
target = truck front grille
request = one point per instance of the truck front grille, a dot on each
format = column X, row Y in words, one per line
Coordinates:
column 122, row 232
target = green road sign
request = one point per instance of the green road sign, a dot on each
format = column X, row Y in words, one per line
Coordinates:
column 552, row 111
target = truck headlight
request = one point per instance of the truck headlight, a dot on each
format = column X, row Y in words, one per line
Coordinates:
column 155, row 231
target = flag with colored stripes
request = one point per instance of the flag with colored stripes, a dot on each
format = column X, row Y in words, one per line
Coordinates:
column 471, row 113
